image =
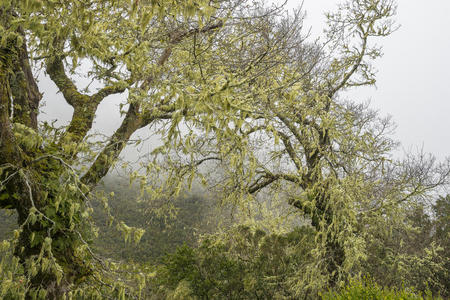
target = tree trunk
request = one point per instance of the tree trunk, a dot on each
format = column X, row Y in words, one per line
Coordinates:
column 334, row 250
column 46, row 250
column 64, row 267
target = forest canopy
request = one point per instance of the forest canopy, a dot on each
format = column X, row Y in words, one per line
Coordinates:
column 243, row 106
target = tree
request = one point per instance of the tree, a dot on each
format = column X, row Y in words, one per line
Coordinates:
column 159, row 53
column 410, row 253
column 225, row 84
column 294, row 137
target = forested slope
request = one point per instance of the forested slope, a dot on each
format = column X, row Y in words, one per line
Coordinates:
column 191, row 216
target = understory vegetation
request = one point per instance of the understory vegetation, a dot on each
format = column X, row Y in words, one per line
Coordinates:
column 186, row 257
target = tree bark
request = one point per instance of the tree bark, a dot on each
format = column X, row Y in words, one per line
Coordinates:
column 24, row 89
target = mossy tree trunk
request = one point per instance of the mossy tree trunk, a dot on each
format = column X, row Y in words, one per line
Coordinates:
column 25, row 178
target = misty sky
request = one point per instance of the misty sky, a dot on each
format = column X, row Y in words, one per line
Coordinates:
column 412, row 81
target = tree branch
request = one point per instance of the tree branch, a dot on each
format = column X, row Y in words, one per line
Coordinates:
column 84, row 106
column 290, row 150
column 257, row 185
column 112, row 150
column 55, row 69
column 354, row 68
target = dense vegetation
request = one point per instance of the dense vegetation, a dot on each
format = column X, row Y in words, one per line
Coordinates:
column 301, row 193
column 190, row 259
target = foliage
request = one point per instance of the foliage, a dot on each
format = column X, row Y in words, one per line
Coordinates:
column 367, row 289
column 244, row 264
column 441, row 211
column 413, row 252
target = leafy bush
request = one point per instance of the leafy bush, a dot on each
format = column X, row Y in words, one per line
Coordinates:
column 368, row 290
column 245, row 264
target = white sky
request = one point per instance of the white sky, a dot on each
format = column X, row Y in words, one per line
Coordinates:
column 413, row 82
